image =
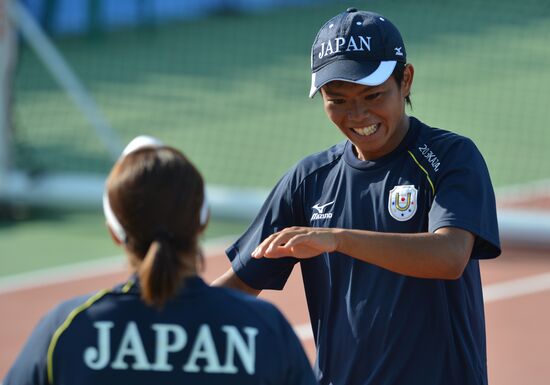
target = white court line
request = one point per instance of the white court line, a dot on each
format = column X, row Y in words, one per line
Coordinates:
column 516, row 287
column 303, row 331
column 62, row 274
column 88, row 269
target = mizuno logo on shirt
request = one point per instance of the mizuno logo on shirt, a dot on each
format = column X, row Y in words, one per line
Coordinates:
column 320, row 214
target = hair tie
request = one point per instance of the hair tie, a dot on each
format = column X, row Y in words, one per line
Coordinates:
column 164, row 235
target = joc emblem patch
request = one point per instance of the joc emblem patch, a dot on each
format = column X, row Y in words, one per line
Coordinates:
column 402, row 202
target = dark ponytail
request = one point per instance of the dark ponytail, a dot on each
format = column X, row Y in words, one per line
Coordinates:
column 156, row 194
column 159, row 273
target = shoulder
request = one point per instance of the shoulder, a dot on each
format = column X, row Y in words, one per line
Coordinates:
column 56, row 318
column 440, row 149
column 61, row 317
column 442, row 139
column 318, row 161
column 321, row 159
column 63, row 310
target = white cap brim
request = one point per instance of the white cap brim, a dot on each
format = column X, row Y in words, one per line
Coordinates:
column 375, row 78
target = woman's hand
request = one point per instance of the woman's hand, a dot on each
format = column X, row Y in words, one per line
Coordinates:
column 299, row 242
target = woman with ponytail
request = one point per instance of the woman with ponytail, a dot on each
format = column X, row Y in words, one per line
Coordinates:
column 164, row 325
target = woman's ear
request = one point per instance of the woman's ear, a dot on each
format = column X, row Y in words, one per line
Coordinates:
column 408, row 75
column 115, row 239
column 202, row 227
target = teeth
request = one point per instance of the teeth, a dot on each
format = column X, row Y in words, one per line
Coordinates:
column 365, row 131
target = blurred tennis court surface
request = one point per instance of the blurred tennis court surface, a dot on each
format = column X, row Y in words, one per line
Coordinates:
column 516, row 288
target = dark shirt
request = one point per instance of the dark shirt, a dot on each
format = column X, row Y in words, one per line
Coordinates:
column 204, row 335
column 373, row 326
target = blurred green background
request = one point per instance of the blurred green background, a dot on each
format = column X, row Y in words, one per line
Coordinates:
column 230, row 90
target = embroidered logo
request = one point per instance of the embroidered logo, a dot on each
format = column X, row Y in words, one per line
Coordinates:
column 320, row 211
column 398, row 51
column 402, row 202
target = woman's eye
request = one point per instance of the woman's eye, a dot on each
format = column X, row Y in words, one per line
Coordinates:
column 373, row 96
column 336, row 101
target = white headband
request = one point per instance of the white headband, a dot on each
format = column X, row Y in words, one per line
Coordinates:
column 137, row 143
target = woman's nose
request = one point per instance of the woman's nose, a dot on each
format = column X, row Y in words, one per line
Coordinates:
column 357, row 112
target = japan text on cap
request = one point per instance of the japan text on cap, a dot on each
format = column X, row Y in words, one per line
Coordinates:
column 355, row 46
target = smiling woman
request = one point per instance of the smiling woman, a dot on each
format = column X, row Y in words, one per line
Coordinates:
column 372, row 117
column 388, row 226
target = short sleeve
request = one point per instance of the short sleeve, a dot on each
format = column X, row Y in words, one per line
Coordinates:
column 280, row 210
column 464, row 198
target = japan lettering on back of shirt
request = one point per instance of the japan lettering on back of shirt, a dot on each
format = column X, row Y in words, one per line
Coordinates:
column 226, row 349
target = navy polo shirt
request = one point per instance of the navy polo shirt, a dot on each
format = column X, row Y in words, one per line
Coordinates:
column 373, row 326
column 204, row 335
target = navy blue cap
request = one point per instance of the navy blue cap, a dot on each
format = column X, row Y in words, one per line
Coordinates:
column 355, row 46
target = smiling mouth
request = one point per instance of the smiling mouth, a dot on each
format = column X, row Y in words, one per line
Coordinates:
column 368, row 130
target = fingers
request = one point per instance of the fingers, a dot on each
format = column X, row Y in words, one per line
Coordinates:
column 281, row 238
column 262, row 247
column 272, row 246
column 296, row 240
column 278, row 252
